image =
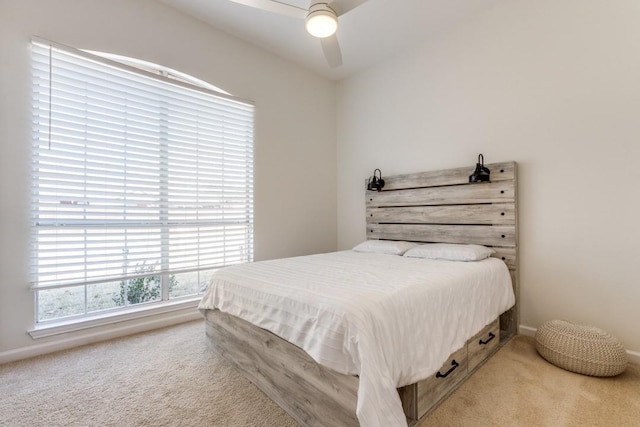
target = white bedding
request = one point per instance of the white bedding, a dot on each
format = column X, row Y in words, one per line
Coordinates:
column 389, row 319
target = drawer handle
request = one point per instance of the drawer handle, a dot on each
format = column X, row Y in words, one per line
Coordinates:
column 491, row 336
column 454, row 365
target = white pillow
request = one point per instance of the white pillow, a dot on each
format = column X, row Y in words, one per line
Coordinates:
column 388, row 247
column 450, row 252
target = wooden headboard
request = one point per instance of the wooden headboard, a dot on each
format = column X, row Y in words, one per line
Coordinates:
column 443, row 207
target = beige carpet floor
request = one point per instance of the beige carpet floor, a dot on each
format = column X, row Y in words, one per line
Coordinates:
column 517, row 387
column 170, row 377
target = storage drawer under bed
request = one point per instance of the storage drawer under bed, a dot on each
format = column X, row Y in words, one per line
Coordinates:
column 483, row 344
column 430, row 391
column 419, row 398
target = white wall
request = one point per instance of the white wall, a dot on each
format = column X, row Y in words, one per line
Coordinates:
column 553, row 85
column 294, row 139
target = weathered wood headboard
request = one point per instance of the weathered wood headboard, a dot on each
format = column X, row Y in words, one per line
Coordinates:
column 443, row 207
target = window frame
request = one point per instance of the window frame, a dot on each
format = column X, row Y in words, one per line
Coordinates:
column 163, row 75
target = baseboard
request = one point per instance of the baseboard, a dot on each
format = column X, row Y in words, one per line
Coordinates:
column 634, row 356
column 89, row 337
column 527, row 330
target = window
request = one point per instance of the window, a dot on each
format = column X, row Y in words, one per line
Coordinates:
column 142, row 185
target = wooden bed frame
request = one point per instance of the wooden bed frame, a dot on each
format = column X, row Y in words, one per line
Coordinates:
column 439, row 206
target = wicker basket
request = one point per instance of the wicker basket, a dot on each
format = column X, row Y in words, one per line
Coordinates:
column 583, row 349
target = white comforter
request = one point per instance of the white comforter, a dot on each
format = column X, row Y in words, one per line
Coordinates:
column 389, row 319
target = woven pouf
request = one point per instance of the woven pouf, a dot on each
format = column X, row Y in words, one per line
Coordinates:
column 583, row 349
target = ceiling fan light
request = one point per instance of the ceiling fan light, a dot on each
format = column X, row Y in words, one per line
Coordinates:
column 321, row 21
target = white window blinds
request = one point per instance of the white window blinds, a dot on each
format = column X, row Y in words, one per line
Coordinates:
column 134, row 172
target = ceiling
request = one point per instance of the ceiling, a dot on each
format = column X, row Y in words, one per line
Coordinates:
column 368, row 34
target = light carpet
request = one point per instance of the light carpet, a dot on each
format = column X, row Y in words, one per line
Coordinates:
column 518, row 388
column 170, row 377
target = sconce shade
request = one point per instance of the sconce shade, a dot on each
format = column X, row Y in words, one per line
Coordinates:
column 375, row 183
column 482, row 173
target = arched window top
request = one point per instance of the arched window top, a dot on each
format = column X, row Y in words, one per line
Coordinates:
column 161, row 70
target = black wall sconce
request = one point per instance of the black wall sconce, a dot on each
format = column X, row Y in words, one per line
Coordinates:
column 482, row 173
column 375, row 183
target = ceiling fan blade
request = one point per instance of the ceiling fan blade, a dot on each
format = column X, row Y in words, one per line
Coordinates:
column 343, row 6
column 331, row 50
column 275, row 7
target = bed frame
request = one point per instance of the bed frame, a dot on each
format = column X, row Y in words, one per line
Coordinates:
column 439, row 206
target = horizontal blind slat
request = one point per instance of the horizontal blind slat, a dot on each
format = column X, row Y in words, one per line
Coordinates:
column 133, row 172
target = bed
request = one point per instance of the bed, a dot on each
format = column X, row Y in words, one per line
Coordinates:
column 362, row 363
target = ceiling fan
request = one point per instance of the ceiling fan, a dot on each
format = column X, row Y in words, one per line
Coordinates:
column 321, row 20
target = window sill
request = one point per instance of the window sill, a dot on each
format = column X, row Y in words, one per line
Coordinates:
column 63, row 327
